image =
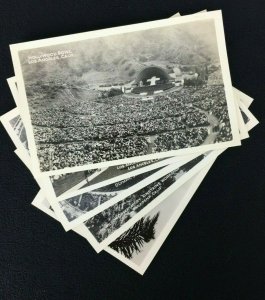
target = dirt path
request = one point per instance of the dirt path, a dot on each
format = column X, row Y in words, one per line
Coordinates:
column 212, row 119
column 151, row 144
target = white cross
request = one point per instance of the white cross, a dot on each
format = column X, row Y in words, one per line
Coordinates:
column 153, row 80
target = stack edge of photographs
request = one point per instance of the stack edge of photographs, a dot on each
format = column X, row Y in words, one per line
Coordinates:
column 120, row 126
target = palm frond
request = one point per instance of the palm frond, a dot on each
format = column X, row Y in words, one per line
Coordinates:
column 133, row 240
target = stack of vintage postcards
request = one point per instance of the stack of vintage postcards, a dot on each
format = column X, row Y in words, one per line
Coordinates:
column 120, row 126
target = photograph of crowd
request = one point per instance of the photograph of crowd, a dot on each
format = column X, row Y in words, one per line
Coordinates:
column 78, row 205
column 126, row 95
column 108, row 221
column 64, row 182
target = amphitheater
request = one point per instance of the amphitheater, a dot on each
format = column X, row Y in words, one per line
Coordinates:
column 152, row 80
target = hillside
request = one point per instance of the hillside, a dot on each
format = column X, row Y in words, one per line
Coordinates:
column 118, row 58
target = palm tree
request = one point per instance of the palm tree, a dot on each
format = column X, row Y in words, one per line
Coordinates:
column 134, row 239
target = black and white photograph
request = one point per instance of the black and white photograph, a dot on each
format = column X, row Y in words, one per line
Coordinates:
column 139, row 244
column 63, row 183
column 108, row 225
column 84, row 182
column 81, row 206
column 74, row 210
column 105, row 223
column 131, row 139
column 96, row 98
column 78, row 182
column 88, row 202
column 181, row 193
column 79, row 202
column 15, row 128
column 81, row 229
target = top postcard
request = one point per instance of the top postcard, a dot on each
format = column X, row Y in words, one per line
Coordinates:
column 126, row 94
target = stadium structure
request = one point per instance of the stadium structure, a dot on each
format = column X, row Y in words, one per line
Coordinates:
column 152, row 80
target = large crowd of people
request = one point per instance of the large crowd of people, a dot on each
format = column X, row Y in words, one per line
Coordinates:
column 59, row 156
column 225, row 133
column 78, row 131
column 100, row 132
column 214, row 102
column 175, row 140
